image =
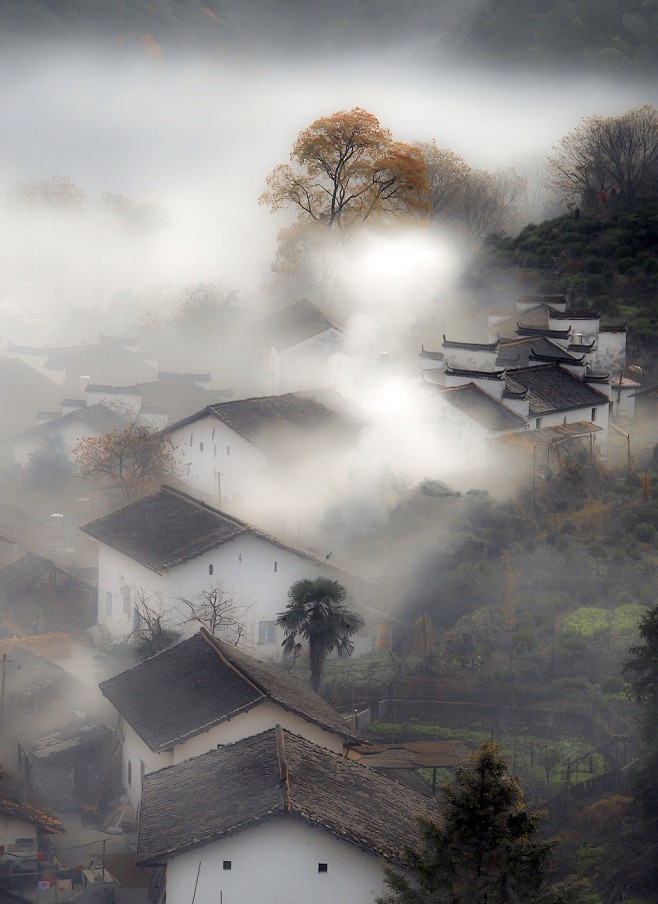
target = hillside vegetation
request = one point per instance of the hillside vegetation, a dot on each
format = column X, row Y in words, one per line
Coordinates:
column 609, row 258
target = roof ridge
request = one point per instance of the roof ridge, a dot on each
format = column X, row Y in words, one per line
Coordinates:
column 216, row 645
column 284, row 775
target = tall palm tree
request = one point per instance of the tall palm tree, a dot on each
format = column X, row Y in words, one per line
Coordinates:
column 317, row 613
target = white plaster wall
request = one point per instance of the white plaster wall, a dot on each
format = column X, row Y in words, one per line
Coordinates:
column 470, row 359
column 216, row 461
column 38, row 362
column 124, row 403
column 256, row 572
column 12, row 828
column 588, row 327
column 136, row 751
column 71, row 434
column 307, row 365
column 114, row 571
column 494, row 388
column 571, row 417
column 463, row 435
column 610, row 353
column 276, row 862
column 623, row 404
column 256, row 720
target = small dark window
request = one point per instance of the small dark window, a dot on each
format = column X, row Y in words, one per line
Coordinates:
column 200, row 447
column 276, row 566
column 593, row 414
column 226, row 864
column 129, row 776
column 239, row 557
column 211, row 569
column 323, row 867
column 228, row 450
column 538, row 423
column 191, row 438
column 213, row 433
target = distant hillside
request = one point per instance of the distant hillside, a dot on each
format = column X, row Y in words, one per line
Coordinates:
column 610, row 35
column 240, row 25
column 608, row 257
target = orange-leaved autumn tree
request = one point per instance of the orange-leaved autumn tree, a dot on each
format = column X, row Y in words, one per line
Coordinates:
column 131, row 462
column 346, row 168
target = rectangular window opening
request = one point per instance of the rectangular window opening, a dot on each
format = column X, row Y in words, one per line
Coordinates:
column 323, row 867
column 266, row 632
column 226, row 864
column 276, row 566
column 593, row 414
column 200, row 447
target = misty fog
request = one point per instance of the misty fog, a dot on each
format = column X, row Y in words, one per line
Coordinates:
column 198, row 138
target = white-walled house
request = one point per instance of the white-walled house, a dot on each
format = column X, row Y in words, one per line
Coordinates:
column 67, row 431
column 480, row 407
column 298, row 345
column 224, row 450
column 170, row 546
column 202, row 694
column 275, row 816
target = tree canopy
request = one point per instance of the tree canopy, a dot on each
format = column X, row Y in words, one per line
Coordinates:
column 484, row 851
column 616, row 155
column 317, row 613
column 346, row 168
column 130, row 461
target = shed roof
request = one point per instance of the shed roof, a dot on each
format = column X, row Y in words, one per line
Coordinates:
column 170, row 528
column 203, row 682
column 275, row 775
column 34, row 814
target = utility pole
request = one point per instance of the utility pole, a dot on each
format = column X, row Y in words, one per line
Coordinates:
column 2, row 688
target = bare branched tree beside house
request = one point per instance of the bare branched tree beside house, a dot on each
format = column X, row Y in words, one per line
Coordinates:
column 219, row 611
column 153, row 632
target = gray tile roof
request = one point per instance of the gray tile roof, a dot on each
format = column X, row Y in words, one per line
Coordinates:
column 203, row 682
column 294, row 324
column 472, row 346
column 272, row 422
column 574, row 315
column 275, row 775
column 552, row 388
column 174, row 393
column 518, row 351
column 483, row 408
column 169, row 528
column 165, row 529
column 24, row 391
column 98, row 418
